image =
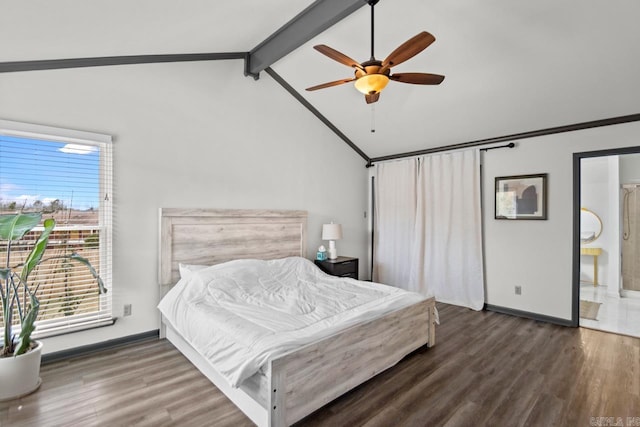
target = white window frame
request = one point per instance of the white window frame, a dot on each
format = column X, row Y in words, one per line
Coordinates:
column 104, row 317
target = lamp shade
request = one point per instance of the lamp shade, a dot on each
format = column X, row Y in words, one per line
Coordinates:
column 331, row 231
column 371, row 83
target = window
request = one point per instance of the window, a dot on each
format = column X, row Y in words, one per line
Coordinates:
column 66, row 175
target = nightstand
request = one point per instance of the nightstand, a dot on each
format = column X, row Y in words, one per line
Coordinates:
column 343, row 266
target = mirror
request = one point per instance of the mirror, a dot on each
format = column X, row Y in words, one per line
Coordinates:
column 590, row 226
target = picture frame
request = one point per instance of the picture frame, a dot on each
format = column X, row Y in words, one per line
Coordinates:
column 521, row 197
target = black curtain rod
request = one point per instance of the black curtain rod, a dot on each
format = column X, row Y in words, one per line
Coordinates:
column 439, row 150
column 509, row 145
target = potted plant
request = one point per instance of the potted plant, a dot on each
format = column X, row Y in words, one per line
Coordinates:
column 20, row 355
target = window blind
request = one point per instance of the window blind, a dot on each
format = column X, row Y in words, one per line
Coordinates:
column 66, row 175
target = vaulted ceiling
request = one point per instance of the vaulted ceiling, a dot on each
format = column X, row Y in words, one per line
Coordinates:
column 510, row 66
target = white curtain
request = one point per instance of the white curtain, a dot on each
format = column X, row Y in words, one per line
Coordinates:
column 439, row 242
column 395, row 218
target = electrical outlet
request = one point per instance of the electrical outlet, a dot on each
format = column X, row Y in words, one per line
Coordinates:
column 127, row 310
column 518, row 290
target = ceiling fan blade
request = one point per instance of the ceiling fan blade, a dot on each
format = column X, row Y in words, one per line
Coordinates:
column 329, row 84
column 408, row 49
column 338, row 56
column 417, row 78
column 371, row 98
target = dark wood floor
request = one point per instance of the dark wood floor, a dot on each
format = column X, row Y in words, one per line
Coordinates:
column 487, row 369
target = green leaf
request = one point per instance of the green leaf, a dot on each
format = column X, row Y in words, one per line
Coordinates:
column 38, row 250
column 74, row 256
column 5, row 273
column 14, row 226
column 7, row 318
column 27, row 327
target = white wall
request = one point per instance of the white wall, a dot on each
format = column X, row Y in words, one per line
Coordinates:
column 630, row 169
column 193, row 135
column 538, row 254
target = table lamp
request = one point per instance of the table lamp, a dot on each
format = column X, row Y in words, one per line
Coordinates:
column 332, row 232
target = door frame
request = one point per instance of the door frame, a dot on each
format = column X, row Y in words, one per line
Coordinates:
column 577, row 157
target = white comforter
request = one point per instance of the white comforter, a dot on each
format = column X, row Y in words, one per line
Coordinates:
column 240, row 314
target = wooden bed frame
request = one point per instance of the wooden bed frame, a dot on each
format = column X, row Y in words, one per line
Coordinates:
column 305, row 379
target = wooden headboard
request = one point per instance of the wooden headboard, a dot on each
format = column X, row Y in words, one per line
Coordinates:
column 212, row 236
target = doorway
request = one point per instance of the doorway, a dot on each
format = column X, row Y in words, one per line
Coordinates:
column 606, row 243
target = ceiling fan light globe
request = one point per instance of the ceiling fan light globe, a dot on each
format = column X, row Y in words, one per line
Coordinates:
column 371, row 83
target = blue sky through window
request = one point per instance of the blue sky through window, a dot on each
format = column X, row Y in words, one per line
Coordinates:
column 36, row 173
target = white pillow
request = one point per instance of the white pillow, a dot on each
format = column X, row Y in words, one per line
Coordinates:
column 187, row 270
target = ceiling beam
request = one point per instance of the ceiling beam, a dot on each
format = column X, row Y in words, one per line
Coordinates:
column 316, row 18
column 55, row 64
column 317, row 113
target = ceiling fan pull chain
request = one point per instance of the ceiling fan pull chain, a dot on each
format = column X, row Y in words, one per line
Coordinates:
column 373, row 118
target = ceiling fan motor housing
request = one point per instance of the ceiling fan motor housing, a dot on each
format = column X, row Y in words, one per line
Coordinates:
column 369, row 79
column 371, row 67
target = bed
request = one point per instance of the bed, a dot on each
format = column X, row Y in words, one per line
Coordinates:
column 301, row 380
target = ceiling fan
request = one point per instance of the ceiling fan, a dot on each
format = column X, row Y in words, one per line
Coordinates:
column 373, row 75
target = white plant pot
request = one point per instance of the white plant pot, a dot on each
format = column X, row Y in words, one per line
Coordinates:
column 20, row 375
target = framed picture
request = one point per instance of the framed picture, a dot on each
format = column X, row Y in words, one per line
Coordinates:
column 521, row 197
